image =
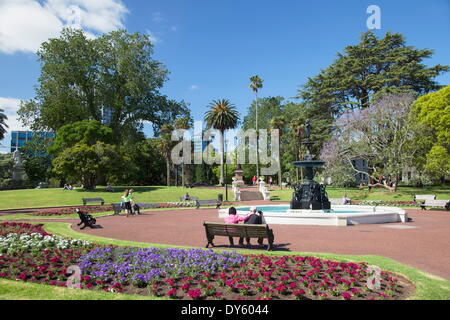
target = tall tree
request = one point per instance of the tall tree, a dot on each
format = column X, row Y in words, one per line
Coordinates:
column 183, row 123
column 255, row 85
column 165, row 144
column 382, row 134
column 279, row 123
column 112, row 78
column 432, row 112
column 82, row 152
column 368, row 70
column 222, row 115
column 3, row 124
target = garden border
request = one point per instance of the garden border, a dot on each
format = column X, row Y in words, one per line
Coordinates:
column 428, row 286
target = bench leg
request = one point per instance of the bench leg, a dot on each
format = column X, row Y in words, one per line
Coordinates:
column 231, row 241
column 210, row 241
column 270, row 240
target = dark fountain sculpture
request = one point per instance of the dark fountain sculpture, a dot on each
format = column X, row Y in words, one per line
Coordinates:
column 309, row 194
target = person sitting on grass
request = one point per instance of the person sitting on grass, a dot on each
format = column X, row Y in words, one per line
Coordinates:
column 234, row 218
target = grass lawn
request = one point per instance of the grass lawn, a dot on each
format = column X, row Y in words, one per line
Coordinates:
column 31, row 198
column 428, row 287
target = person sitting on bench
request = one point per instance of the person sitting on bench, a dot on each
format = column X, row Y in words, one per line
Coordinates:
column 255, row 217
column 234, row 218
column 186, row 197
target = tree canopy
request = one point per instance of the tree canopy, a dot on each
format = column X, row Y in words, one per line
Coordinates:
column 369, row 70
column 86, row 79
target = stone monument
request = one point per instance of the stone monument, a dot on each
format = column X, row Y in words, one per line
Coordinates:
column 18, row 171
column 238, row 178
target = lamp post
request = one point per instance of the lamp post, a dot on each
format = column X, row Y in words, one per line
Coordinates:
column 226, row 171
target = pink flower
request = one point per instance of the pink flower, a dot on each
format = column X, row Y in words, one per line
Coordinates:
column 194, row 294
column 185, row 286
column 172, row 293
column 346, row 295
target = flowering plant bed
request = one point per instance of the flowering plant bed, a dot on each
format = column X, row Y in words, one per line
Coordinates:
column 200, row 274
column 71, row 210
column 21, row 228
column 385, row 203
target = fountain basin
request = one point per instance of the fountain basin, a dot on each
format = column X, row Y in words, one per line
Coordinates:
column 338, row 215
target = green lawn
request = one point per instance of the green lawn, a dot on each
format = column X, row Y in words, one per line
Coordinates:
column 31, row 198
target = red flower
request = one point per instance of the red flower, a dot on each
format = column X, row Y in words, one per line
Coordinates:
column 194, row 294
column 172, row 293
column 346, row 295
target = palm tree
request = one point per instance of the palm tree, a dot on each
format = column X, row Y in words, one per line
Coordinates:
column 3, row 124
column 255, row 85
column 182, row 123
column 222, row 116
column 298, row 127
column 165, row 145
column 279, row 123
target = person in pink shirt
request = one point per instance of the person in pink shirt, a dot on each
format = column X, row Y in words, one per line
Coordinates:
column 234, row 219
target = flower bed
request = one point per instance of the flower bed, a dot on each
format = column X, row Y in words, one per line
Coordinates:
column 21, row 228
column 71, row 210
column 385, row 203
column 35, row 242
column 194, row 273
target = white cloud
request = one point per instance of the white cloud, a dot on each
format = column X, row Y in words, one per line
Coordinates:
column 157, row 17
column 25, row 24
column 153, row 38
column 10, row 107
column 194, row 87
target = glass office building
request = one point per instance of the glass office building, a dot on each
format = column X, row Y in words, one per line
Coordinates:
column 20, row 138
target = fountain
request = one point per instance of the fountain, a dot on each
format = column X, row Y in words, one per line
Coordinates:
column 309, row 194
column 310, row 204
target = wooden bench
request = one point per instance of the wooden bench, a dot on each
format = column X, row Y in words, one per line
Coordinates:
column 118, row 207
column 86, row 219
column 213, row 229
column 211, row 202
column 89, row 200
column 435, row 204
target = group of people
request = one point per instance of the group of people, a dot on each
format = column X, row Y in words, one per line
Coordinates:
column 67, row 187
column 128, row 203
column 255, row 181
column 254, row 216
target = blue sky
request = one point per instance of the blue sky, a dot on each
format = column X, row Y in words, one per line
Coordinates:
column 212, row 47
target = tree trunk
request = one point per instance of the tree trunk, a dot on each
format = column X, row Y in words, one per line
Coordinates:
column 279, row 178
column 222, row 180
column 257, row 138
column 168, row 171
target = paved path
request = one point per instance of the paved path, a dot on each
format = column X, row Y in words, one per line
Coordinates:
column 423, row 243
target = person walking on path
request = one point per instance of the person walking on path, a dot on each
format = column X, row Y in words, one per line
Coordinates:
column 127, row 198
